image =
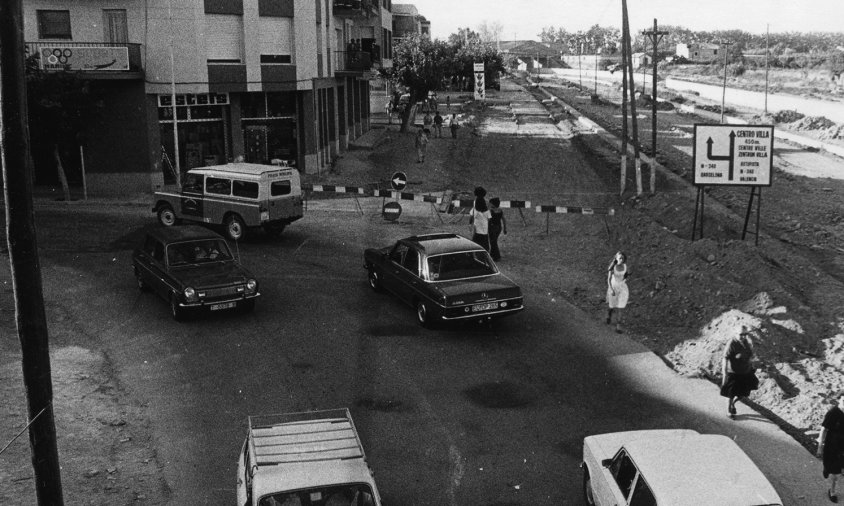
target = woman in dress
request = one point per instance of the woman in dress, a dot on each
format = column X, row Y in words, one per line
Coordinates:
column 617, row 292
column 737, row 371
column 479, row 219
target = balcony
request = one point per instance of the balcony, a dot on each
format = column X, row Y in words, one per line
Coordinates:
column 97, row 60
column 355, row 8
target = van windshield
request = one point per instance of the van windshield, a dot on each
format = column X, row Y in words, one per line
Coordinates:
column 341, row 495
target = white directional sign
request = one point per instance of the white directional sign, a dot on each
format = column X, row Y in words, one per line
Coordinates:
column 480, row 86
column 737, row 155
column 398, row 181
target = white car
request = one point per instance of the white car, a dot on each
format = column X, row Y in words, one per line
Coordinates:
column 671, row 468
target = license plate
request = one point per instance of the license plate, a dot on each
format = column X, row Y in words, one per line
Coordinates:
column 225, row 305
column 484, row 307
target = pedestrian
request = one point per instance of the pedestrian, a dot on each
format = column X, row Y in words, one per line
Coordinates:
column 617, row 292
column 479, row 218
column 738, row 376
column 427, row 121
column 497, row 225
column 438, row 125
column 421, row 145
column 389, row 110
column 831, row 444
column 453, row 126
column 448, row 102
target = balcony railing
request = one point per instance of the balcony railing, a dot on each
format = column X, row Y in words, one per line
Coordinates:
column 354, row 61
column 103, row 57
column 356, row 7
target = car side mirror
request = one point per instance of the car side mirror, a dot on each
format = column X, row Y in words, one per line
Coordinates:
column 606, row 462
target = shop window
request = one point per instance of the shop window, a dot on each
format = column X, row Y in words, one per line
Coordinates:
column 253, row 105
column 245, row 189
column 54, row 24
column 281, row 104
column 218, row 186
column 279, row 188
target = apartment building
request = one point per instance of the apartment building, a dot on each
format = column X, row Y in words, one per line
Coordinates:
column 407, row 21
column 265, row 80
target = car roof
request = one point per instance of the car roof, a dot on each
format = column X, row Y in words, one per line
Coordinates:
column 700, row 469
column 302, row 475
column 183, row 233
column 254, row 169
column 438, row 244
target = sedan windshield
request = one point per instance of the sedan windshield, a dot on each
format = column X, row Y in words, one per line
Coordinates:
column 467, row 264
column 342, row 495
column 197, row 252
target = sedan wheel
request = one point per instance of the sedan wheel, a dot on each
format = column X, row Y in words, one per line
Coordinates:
column 588, row 496
column 374, row 280
column 176, row 311
column 166, row 216
column 422, row 314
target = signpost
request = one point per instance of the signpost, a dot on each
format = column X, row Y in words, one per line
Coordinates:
column 399, row 181
column 480, row 88
column 732, row 155
column 391, row 211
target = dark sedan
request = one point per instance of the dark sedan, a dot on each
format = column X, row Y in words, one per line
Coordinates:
column 444, row 277
column 192, row 267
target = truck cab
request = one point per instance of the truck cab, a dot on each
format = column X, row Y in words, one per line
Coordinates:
column 237, row 196
column 304, row 459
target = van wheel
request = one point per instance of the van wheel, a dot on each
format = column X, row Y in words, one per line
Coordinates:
column 166, row 215
column 588, row 496
column 235, row 229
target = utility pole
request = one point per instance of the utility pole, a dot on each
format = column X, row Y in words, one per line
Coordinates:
column 623, row 103
column 724, row 87
column 597, row 51
column 655, row 36
column 580, row 60
column 30, row 318
column 637, row 161
column 767, row 32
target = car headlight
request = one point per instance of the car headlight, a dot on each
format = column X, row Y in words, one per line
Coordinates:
column 251, row 286
column 190, row 294
column 504, row 304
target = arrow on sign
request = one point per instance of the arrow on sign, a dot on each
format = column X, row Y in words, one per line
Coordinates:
column 398, row 181
column 728, row 157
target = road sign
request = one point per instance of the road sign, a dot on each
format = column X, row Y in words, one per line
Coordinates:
column 398, row 181
column 733, row 155
column 391, row 211
column 478, row 67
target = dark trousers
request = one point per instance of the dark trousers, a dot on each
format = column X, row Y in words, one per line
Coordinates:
column 453, row 133
column 494, row 233
column 481, row 239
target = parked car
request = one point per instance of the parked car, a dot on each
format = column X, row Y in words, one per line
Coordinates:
column 237, row 196
column 310, row 458
column 192, row 267
column 671, row 468
column 445, row 277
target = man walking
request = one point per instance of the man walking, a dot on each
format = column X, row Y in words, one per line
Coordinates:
column 453, row 126
column 438, row 125
column 421, row 145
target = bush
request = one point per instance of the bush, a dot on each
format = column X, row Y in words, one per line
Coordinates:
column 738, row 70
column 678, row 99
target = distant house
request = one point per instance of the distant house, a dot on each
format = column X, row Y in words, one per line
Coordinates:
column 698, row 51
column 530, row 53
column 640, row 59
column 407, row 21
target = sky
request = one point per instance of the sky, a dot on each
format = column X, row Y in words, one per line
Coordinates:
column 524, row 19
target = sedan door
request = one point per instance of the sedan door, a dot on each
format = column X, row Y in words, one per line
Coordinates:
column 408, row 279
column 392, row 268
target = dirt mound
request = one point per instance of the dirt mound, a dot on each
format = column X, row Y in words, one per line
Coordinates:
column 833, row 132
column 812, row 123
column 787, row 116
column 646, row 102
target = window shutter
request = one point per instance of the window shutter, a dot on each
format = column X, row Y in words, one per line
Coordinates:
column 275, row 37
column 224, row 37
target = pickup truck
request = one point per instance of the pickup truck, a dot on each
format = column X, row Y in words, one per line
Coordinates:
column 304, row 459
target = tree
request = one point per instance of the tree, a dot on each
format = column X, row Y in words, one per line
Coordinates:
column 490, row 33
column 61, row 105
column 419, row 65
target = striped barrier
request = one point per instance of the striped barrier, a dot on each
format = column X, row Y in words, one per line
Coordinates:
column 406, row 196
column 575, row 210
column 508, row 204
column 330, row 188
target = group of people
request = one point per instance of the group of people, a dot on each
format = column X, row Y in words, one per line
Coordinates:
column 434, row 123
column 487, row 222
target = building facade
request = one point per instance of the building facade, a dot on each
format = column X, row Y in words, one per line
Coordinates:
column 203, row 82
column 407, row 21
column 698, row 51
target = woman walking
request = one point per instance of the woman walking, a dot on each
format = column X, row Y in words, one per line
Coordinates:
column 737, row 371
column 497, row 224
column 617, row 291
column 831, row 445
column 479, row 219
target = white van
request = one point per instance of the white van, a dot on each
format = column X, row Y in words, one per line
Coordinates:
column 237, row 196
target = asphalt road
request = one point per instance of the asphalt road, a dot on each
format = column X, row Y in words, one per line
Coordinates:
column 466, row 415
